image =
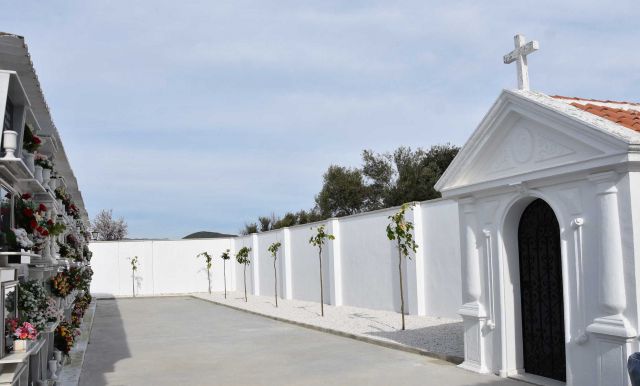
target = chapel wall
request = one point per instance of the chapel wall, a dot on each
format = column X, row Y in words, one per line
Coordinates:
column 575, row 200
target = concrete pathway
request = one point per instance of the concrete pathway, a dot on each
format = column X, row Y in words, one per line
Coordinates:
column 187, row 341
column 439, row 337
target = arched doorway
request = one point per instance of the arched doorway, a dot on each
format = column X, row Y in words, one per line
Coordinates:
column 543, row 340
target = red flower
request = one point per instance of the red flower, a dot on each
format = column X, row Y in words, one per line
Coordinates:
column 42, row 208
column 26, row 196
column 28, row 212
column 33, row 224
column 50, row 222
column 37, row 140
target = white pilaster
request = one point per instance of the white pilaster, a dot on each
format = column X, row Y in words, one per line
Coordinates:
column 613, row 332
column 472, row 311
column 335, row 263
column 255, row 263
column 416, row 295
column 232, row 265
column 286, row 250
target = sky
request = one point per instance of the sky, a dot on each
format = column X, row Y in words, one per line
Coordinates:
column 203, row 115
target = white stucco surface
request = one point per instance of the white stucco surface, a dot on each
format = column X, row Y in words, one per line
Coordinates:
column 360, row 266
column 369, row 262
column 164, row 267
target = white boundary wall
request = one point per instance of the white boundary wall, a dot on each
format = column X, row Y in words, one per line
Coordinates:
column 360, row 268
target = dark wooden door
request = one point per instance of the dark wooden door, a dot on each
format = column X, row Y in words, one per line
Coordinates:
column 541, row 292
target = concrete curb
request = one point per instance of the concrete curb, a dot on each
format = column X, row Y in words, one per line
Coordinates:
column 71, row 373
column 392, row 345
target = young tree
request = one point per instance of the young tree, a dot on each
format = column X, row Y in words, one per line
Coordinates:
column 273, row 249
column 225, row 256
column 318, row 241
column 207, row 259
column 400, row 229
column 134, row 268
column 243, row 258
column 108, row 228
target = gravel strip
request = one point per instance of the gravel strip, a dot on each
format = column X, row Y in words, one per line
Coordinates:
column 439, row 336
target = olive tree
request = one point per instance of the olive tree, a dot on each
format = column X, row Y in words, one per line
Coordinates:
column 399, row 229
column 243, row 258
column 225, row 256
column 207, row 259
column 318, row 240
column 273, row 249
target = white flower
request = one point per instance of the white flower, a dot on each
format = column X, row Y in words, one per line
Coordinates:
column 22, row 238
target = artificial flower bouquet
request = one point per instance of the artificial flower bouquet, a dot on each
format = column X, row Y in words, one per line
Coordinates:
column 65, row 337
column 31, row 142
column 79, row 309
column 20, row 335
column 20, row 239
column 32, row 303
column 80, row 277
column 53, row 313
column 31, row 217
column 43, row 161
column 60, row 284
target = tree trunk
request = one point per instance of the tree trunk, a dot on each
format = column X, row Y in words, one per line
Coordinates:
column 275, row 281
column 245, row 282
column 401, row 289
column 209, row 279
column 224, row 275
column 321, row 291
column 133, row 282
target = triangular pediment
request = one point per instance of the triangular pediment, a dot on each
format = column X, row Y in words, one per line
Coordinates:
column 519, row 138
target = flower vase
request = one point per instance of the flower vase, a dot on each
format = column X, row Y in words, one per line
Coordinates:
column 46, row 250
column 46, row 176
column 53, row 250
column 53, row 184
column 29, row 160
column 57, row 354
column 38, row 173
column 21, row 345
column 60, row 204
column 53, row 369
column 10, row 144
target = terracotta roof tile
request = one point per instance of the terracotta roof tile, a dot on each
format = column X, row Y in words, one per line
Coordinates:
column 625, row 117
column 595, row 100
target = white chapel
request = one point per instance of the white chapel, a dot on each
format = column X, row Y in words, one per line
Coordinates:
column 549, row 195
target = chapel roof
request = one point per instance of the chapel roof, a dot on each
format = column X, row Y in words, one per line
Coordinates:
column 626, row 114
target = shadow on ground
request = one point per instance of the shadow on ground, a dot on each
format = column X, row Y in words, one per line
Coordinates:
column 105, row 348
column 444, row 339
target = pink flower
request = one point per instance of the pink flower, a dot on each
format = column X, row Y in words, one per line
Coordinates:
column 26, row 331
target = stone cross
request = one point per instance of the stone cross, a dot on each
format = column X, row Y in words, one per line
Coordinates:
column 520, row 55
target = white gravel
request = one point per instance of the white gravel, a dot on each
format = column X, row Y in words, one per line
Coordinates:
column 441, row 336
